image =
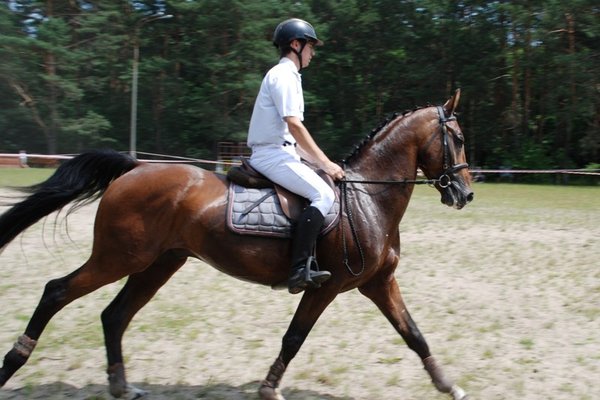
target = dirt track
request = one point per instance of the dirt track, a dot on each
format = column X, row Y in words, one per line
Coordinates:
column 510, row 306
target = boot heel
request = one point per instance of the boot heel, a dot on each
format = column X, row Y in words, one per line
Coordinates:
column 308, row 273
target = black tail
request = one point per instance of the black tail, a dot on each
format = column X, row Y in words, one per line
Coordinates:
column 82, row 179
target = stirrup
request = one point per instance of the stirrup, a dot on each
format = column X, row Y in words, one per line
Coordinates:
column 305, row 277
column 313, row 275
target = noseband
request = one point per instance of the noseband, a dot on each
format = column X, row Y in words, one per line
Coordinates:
column 450, row 168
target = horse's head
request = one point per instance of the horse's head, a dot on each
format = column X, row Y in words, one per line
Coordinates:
column 442, row 156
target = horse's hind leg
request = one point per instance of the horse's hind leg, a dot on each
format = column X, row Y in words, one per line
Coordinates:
column 385, row 293
column 57, row 294
column 311, row 306
column 138, row 290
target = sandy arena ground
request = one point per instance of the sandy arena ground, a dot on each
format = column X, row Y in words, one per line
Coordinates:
column 510, row 305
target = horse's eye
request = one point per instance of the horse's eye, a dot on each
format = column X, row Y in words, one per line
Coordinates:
column 459, row 138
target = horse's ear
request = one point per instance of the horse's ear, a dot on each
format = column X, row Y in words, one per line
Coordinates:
column 452, row 103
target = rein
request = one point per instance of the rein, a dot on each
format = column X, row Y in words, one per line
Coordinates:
column 444, row 180
column 343, row 182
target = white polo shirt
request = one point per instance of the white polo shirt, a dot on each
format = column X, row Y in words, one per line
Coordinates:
column 280, row 96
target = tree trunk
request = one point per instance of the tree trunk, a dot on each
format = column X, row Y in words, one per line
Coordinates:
column 572, row 88
column 30, row 103
column 527, row 77
column 515, row 104
column 52, row 103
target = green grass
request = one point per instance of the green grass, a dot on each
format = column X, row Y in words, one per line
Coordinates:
column 11, row 177
column 525, row 196
column 527, row 343
column 539, row 196
column 507, row 204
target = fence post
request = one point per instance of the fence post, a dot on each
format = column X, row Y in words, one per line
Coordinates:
column 23, row 159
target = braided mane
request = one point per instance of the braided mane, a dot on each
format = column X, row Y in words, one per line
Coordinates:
column 375, row 131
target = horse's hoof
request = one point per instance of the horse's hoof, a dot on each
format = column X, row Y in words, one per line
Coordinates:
column 135, row 393
column 269, row 393
column 122, row 389
column 458, row 394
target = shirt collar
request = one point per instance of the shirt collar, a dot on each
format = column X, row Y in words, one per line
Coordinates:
column 288, row 61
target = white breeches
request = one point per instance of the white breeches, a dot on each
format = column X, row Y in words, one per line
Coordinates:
column 282, row 165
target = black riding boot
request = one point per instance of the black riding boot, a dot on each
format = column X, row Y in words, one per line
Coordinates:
column 305, row 271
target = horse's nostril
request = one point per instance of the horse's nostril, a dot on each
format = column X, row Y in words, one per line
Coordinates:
column 470, row 197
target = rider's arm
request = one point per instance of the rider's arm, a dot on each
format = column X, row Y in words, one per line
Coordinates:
column 309, row 150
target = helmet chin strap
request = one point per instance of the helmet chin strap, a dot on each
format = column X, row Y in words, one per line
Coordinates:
column 299, row 53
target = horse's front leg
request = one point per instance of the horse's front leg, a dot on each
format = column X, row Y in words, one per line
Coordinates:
column 383, row 290
column 311, row 306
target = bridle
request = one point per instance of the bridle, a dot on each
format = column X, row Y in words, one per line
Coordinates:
column 447, row 178
column 450, row 169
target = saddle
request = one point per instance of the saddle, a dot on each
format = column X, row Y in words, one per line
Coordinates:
column 257, row 206
column 291, row 203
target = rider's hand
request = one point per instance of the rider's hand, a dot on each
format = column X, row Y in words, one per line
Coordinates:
column 334, row 170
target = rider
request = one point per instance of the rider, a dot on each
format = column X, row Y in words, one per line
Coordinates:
column 279, row 140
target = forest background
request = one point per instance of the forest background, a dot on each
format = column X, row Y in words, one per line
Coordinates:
column 528, row 71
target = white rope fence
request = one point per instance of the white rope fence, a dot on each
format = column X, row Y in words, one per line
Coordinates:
column 23, row 158
column 593, row 172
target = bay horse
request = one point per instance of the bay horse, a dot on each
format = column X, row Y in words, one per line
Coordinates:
column 152, row 217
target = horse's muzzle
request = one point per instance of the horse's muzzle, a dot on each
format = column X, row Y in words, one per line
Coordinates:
column 457, row 195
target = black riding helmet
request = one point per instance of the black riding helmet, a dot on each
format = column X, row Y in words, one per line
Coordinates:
column 294, row 29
